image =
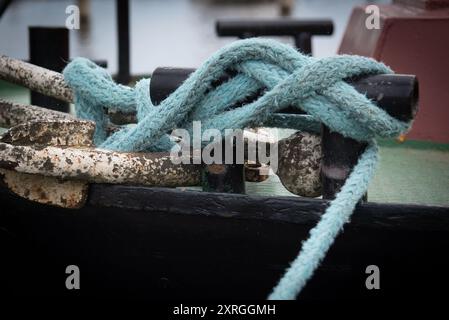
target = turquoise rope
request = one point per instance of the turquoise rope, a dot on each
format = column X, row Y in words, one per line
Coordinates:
column 286, row 78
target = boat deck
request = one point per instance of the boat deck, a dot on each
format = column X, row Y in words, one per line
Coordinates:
column 410, row 172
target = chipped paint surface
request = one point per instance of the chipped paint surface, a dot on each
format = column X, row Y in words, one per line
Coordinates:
column 61, row 131
column 51, row 133
column 46, row 190
column 13, row 113
column 299, row 164
column 100, row 166
column 36, row 78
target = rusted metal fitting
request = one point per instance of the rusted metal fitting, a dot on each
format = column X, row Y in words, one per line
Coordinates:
column 54, row 139
column 256, row 172
column 36, row 78
column 299, row 164
column 44, row 189
column 53, row 161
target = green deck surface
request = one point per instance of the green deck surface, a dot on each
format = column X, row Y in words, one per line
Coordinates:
column 410, row 172
column 407, row 173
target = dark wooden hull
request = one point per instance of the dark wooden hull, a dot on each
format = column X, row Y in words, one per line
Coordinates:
column 135, row 242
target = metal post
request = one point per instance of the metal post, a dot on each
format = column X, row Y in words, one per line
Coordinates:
column 215, row 177
column 397, row 95
column 339, row 156
column 49, row 48
column 224, row 177
column 303, row 41
column 123, row 75
column 301, row 30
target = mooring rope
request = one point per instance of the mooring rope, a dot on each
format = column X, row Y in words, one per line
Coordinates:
column 284, row 78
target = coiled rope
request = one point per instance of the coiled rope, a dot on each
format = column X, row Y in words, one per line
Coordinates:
column 286, row 78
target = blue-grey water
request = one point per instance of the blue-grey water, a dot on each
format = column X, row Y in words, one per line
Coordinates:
column 163, row 32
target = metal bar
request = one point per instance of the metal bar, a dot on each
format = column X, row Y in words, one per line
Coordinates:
column 22, row 151
column 167, row 80
column 99, row 166
column 298, row 158
column 397, row 94
column 100, row 63
column 36, row 78
column 280, row 27
column 301, row 30
column 122, row 7
column 303, row 42
column 49, row 48
column 46, row 189
column 13, row 113
column 340, row 155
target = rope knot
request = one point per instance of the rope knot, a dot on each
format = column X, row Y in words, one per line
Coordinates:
column 273, row 75
column 262, row 77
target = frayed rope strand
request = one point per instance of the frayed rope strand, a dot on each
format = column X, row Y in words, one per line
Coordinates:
column 285, row 78
column 324, row 233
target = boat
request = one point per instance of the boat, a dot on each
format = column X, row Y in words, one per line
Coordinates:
column 141, row 241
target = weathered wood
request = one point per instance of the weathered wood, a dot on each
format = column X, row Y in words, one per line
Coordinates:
column 156, row 243
column 303, row 211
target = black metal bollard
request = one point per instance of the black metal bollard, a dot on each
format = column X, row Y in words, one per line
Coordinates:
column 396, row 94
column 301, row 30
column 215, row 177
column 229, row 178
column 49, row 48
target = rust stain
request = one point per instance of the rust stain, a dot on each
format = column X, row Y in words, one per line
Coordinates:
column 216, row 168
